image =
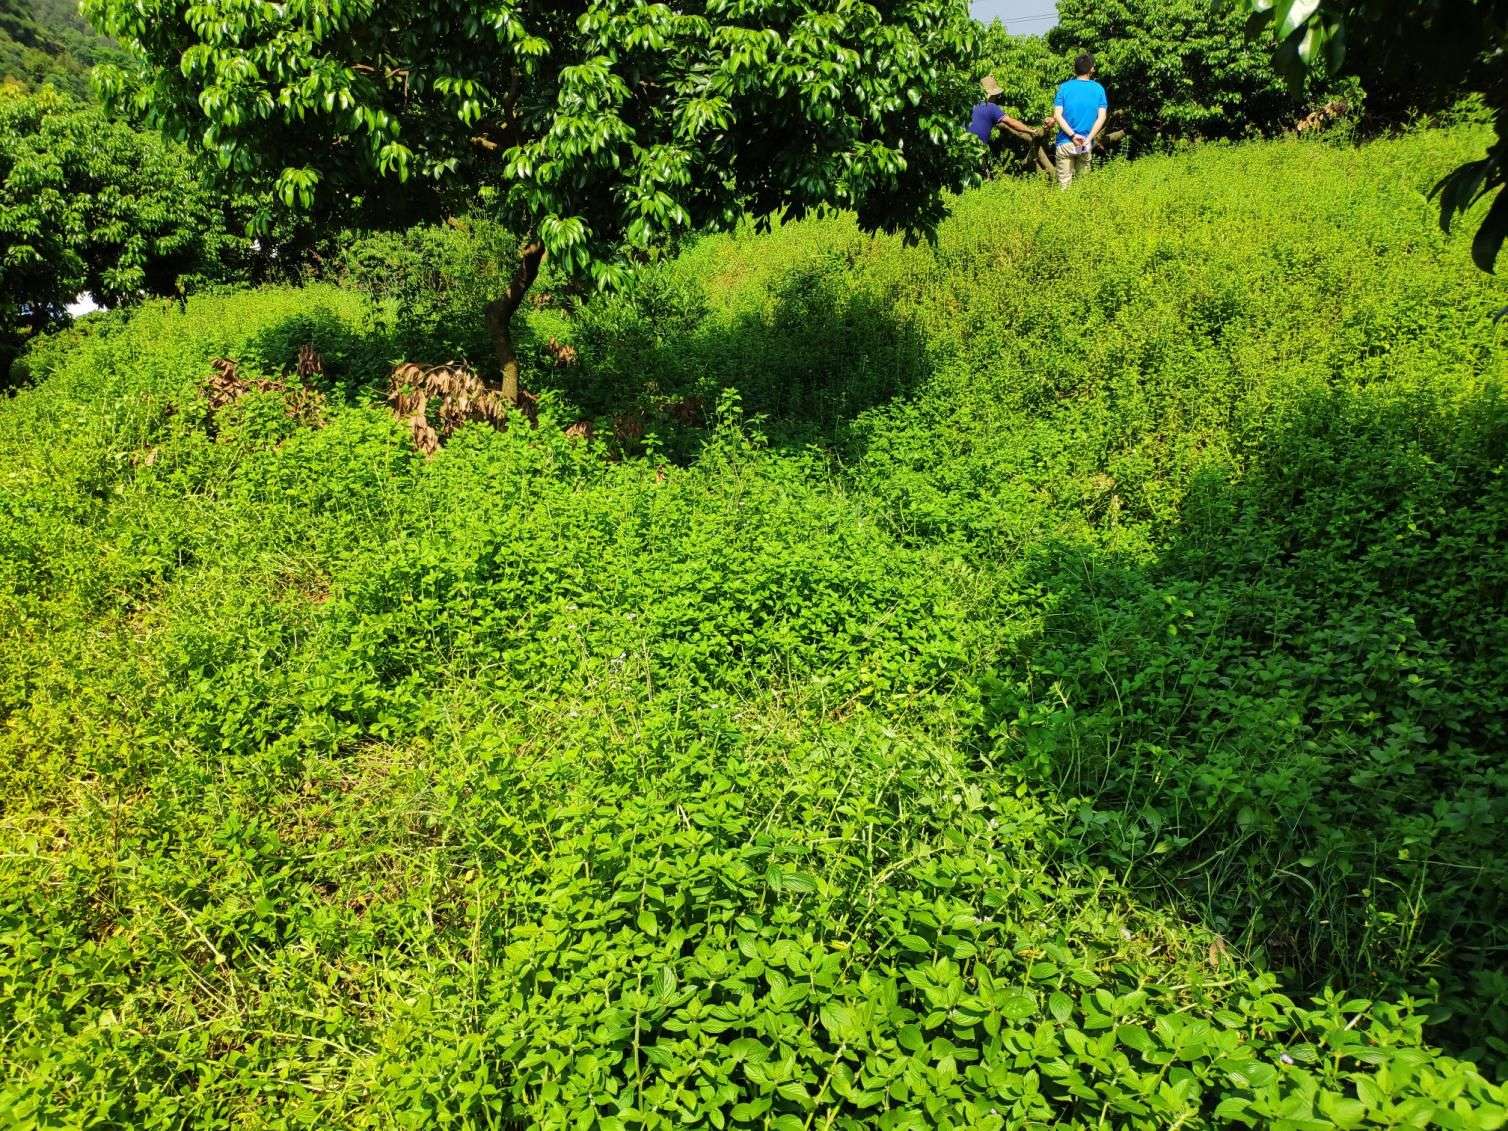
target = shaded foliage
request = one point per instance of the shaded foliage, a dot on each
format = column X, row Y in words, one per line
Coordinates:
column 431, row 284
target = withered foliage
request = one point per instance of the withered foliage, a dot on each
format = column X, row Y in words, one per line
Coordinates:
column 459, row 395
column 1330, row 112
column 631, row 426
column 688, row 412
column 225, row 386
column 310, row 364
column 567, row 299
column 561, row 353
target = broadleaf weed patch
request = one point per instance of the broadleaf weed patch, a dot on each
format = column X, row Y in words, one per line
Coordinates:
column 1099, row 728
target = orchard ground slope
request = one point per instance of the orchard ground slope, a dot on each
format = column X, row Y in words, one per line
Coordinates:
column 1062, row 686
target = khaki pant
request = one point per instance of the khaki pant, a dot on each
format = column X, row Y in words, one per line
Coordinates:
column 1071, row 164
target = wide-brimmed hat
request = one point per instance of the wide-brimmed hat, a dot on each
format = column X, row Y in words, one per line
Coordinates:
column 991, row 87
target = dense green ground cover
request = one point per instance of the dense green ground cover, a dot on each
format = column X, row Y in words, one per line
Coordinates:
column 1067, row 654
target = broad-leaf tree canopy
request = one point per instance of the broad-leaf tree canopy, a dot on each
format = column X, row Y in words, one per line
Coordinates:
column 1027, row 68
column 1181, row 68
column 597, row 129
column 89, row 204
column 1417, row 49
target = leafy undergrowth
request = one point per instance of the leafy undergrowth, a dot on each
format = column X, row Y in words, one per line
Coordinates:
column 1126, row 665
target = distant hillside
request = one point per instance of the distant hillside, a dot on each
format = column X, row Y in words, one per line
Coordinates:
column 48, row 42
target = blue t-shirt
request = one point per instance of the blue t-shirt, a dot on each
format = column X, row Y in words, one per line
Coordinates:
column 1081, row 100
column 986, row 114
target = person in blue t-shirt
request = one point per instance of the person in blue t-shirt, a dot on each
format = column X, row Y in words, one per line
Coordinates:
column 1079, row 109
column 988, row 117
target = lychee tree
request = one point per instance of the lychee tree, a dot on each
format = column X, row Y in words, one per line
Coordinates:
column 90, row 205
column 597, row 129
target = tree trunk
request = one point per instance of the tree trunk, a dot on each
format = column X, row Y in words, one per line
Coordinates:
column 500, row 313
column 1042, row 144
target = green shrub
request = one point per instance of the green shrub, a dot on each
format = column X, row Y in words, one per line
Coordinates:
column 88, row 204
column 430, row 285
column 810, row 330
column 1248, row 556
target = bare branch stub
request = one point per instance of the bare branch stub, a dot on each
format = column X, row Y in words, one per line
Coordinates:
column 1041, row 143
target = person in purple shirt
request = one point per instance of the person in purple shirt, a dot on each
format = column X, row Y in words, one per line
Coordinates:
column 988, row 117
column 1079, row 109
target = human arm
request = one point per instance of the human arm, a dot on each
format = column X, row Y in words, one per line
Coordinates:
column 1057, row 116
column 1099, row 121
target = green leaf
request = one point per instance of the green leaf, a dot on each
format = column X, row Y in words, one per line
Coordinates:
column 840, row 1021
column 1233, row 1108
column 1311, row 44
column 665, row 983
column 1018, row 1005
column 1371, row 1095
column 750, row 1110
column 1459, row 188
column 802, row 883
column 795, row 1092
column 1342, row 1110
column 1060, row 1005
column 1136, row 1038
column 1335, row 47
column 1292, row 14
column 749, row 1049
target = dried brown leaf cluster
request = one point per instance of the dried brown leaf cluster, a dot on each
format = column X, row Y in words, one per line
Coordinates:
column 1323, row 116
column 562, row 353
column 460, row 396
column 628, row 428
column 565, row 300
column 310, row 364
column 225, row 386
column 688, row 412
